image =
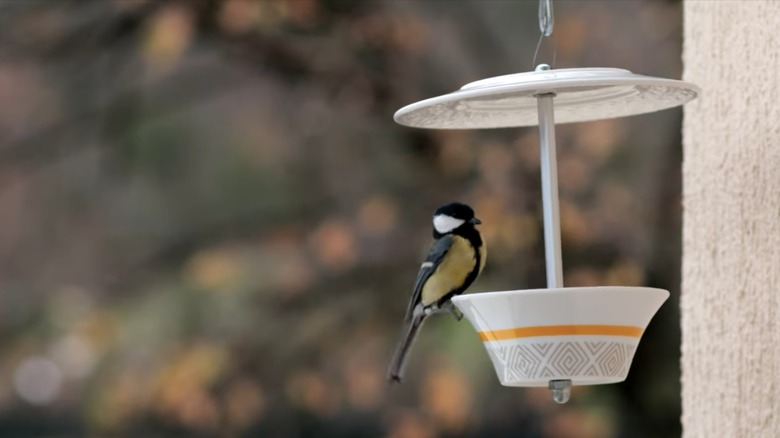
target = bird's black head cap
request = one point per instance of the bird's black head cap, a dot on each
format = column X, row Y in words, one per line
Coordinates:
column 455, row 210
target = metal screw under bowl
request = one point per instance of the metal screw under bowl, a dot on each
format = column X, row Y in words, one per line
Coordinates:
column 561, row 390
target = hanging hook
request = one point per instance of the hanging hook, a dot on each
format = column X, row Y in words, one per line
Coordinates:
column 546, row 19
column 546, row 22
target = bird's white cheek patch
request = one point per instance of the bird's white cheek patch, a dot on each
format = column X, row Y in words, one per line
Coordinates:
column 444, row 224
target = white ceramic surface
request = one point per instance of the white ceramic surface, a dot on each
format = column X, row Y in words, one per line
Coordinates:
column 581, row 94
column 585, row 334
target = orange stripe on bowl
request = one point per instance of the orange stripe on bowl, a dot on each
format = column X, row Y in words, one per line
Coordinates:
column 561, row 330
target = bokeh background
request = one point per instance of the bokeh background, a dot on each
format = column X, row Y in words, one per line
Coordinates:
column 210, row 223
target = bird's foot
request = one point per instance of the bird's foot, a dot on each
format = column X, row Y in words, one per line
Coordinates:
column 450, row 308
column 456, row 313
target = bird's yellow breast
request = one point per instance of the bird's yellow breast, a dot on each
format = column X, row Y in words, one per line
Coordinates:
column 452, row 272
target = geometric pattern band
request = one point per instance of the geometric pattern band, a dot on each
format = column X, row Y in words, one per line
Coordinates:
column 551, row 359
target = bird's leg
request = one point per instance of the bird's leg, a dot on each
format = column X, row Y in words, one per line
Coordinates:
column 447, row 307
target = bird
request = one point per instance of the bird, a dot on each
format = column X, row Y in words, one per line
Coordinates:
column 454, row 260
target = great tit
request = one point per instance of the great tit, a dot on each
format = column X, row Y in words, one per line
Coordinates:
column 453, row 262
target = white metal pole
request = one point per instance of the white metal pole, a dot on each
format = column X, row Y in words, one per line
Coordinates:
column 552, row 227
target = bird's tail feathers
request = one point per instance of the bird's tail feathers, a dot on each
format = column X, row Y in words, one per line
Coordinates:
column 396, row 369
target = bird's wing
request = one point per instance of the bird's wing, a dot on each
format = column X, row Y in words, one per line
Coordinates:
column 432, row 260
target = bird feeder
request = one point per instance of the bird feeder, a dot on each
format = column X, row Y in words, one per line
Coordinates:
column 555, row 337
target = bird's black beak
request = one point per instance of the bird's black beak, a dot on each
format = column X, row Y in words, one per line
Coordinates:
column 475, row 221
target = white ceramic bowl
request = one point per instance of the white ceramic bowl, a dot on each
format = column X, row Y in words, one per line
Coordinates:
column 585, row 334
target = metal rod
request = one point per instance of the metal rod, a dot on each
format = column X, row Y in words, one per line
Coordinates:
column 552, row 226
column 561, row 389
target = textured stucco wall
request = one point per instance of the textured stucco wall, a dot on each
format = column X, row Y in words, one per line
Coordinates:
column 731, row 233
